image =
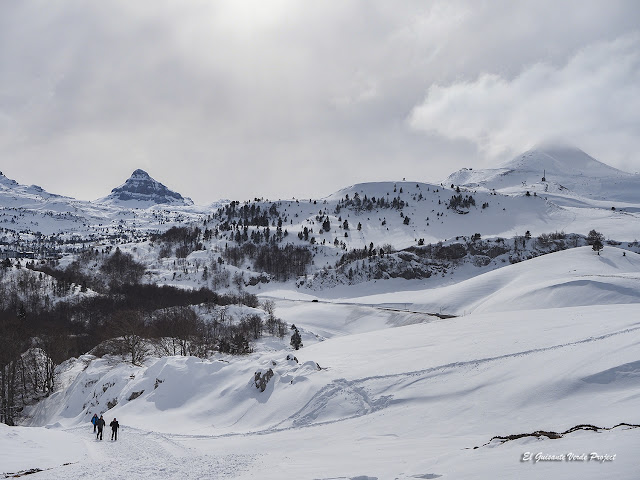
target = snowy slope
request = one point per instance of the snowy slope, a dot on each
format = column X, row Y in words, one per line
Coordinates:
column 430, row 219
column 568, row 278
column 406, row 402
column 380, row 389
column 571, row 176
column 396, row 398
column 14, row 194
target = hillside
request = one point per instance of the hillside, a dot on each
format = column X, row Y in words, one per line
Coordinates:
column 564, row 174
column 442, row 387
column 575, row 277
column 579, row 194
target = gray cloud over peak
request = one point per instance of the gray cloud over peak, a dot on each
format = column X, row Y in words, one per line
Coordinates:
column 287, row 98
column 602, row 81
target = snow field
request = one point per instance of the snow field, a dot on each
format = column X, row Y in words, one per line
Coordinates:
column 396, row 403
column 568, row 278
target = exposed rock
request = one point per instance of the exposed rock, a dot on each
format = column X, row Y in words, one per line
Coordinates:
column 141, row 188
column 135, row 395
column 555, row 435
column 261, row 380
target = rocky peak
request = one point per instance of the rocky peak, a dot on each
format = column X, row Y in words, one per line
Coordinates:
column 141, row 189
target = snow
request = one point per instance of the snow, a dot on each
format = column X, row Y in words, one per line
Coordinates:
column 400, row 402
column 568, row 171
column 25, row 448
column 568, row 278
column 385, row 386
column 397, row 402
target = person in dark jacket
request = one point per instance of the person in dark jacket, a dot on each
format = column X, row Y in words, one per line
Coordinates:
column 94, row 422
column 114, row 429
column 100, row 423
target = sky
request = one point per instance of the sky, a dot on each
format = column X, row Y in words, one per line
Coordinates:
column 287, row 98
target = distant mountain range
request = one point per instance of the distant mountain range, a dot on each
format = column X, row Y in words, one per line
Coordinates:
column 556, row 171
column 573, row 192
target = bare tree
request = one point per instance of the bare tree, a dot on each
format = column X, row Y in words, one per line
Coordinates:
column 13, row 342
column 269, row 306
column 129, row 328
column 181, row 324
column 55, row 348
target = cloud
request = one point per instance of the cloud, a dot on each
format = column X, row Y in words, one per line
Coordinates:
column 309, row 96
column 595, row 95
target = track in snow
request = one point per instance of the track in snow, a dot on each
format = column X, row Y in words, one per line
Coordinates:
column 138, row 454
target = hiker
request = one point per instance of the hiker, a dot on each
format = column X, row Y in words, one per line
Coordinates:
column 114, row 429
column 94, row 421
column 100, row 423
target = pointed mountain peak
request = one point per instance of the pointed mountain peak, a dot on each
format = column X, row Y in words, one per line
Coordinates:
column 139, row 173
column 142, row 191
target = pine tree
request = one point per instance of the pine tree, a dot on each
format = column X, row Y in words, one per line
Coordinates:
column 296, row 340
column 597, row 246
column 595, row 239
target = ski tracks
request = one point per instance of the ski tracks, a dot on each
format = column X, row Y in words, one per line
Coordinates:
column 344, row 399
column 140, row 454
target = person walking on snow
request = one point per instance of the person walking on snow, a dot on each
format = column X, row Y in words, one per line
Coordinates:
column 94, row 422
column 114, row 429
column 100, row 423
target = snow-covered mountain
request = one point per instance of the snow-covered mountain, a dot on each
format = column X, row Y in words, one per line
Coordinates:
column 25, row 210
column 142, row 191
column 14, row 194
column 578, row 194
column 31, row 209
column 559, row 172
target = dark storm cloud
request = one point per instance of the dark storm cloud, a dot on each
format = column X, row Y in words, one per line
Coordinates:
column 281, row 98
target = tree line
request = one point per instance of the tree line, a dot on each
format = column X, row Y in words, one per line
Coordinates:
column 282, row 262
